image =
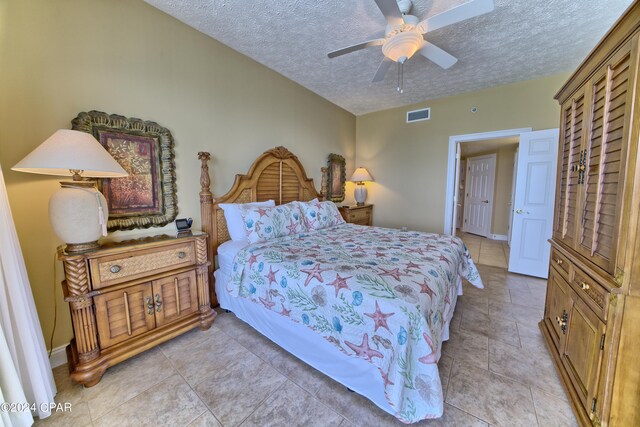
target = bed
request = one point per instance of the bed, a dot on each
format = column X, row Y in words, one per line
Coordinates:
column 367, row 306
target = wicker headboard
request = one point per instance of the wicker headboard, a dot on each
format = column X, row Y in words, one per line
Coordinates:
column 277, row 174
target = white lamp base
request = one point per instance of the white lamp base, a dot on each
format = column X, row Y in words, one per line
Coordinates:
column 360, row 194
column 75, row 215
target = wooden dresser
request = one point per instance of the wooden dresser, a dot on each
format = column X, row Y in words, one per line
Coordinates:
column 592, row 314
column 129, row 296
column 362, row 215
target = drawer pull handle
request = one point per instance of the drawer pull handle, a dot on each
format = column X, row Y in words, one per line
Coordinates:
column 115, row 269
column 127, row 315
column 158, row 303
column 150, row 305
column 182, row 254
column 584, row 286
column 558, row 261
column 175, row 284
column 562, row 321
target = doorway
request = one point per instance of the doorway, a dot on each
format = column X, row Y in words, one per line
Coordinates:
column 528, row 184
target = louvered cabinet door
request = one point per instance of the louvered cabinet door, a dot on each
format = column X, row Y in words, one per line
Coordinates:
column 124, row 313
column 567, row 193
column 605, row 150
column 175, row 297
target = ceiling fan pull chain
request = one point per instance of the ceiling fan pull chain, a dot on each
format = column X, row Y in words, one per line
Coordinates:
column 400, row 87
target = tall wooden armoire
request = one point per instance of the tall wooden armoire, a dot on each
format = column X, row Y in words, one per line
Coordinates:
column 592, row 314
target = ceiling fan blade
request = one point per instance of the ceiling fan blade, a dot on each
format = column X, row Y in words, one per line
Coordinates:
column 382, row 70
column 437, row 55
column 359, row 46
column 391, row 12
column 457, row 14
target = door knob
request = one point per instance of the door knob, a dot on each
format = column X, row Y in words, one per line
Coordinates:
column 520, row 211
column 485, row 201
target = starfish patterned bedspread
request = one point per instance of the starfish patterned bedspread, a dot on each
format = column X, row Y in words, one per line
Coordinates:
column 379, row 294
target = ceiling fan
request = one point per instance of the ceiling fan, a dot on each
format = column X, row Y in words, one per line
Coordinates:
column 405, row 34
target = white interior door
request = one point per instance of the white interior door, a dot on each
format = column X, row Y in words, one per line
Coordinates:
column 478, row 200
column 456, row 194
column 513, row 194
column 533, row 203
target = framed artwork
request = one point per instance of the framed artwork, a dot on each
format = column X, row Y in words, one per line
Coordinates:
column 337, row 171
column 147, row 197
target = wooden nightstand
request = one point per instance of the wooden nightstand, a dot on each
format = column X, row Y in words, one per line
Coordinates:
column 362, row 215
column 129, row 296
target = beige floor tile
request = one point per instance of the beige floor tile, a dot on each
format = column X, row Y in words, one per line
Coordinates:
column 490, row 397
column 197, row 360
column 452, row 417
column 126, row 380
column 497, row 329
column 527, row 298
column 234, row 392
column 531, row 337
column 68, row 391
column 469, row 347
column 476, row 303
column 206, row 420
column 552, row 411
column 355, row 408
column 533, row 368
column 444, row 370
column 291, row 405
column 505, row 310
column 296, row 370
column 79, row 416
column 170, row 403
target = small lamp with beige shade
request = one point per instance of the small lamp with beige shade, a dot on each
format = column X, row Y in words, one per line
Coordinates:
column 78, row 211
column 360, row 176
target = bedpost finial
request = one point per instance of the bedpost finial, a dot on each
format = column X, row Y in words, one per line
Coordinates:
column 323, row 183
column 205, row 180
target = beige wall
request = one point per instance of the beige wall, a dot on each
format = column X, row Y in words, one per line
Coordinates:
column 62, row 57
column 502, row 187
column 409, row 161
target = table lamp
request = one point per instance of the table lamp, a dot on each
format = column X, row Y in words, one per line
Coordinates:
column 360, row 175
column 78, row 211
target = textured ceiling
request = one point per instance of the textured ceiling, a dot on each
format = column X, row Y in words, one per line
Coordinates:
column 519, row 40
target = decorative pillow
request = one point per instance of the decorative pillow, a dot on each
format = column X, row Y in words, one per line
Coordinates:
column 321, row 215
column 264, row 223
column 235, row 224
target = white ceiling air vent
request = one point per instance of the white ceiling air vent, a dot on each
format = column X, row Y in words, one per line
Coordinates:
column 418, row 115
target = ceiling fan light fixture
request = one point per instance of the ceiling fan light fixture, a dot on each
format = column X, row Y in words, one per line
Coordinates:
column 404, row 44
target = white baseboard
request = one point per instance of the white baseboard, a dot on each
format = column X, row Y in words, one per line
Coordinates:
column 58, row 356
column 498, row 237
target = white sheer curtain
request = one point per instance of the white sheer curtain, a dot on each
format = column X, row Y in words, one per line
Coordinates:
column 19, row 322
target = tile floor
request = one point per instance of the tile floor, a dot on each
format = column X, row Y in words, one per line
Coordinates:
column 486, row 251
column 495, row 370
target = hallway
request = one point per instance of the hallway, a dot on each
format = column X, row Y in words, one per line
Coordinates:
column 486, row 251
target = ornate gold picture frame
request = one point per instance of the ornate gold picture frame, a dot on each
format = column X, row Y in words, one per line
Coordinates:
column 337, row 171
column 147, row 197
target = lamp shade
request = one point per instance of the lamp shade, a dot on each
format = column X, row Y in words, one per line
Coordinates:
column 361, row 175
column 68, row 150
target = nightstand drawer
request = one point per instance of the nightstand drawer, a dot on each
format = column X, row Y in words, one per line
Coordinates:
column 359, row 215
column 114, row 269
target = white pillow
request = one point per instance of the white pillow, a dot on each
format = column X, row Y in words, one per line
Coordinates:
column 233, row 215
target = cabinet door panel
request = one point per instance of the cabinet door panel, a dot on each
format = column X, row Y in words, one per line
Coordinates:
column 175, row 297
column 123, row 314
column 567, row 194
column 557, row 305
column 582, row 354
column 605, row 147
